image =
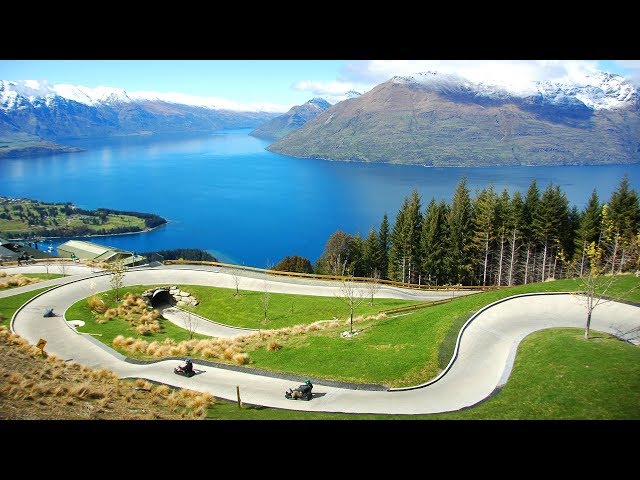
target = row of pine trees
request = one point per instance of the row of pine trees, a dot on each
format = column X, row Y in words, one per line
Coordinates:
column 490, row 239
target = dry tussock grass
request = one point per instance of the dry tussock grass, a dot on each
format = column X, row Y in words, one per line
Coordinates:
column 96, row 304
column 133, row 309
column 16, row 280
column 48, row 388
column 227, row 349
column 240, row 358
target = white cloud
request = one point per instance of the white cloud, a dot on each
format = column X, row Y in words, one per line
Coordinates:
column 211, row 102
column 514, row 75
column 331, row 91
column 323, row 88
column 29, row 88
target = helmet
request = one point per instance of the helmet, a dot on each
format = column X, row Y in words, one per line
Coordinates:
column 307, row 381
column 188, row 360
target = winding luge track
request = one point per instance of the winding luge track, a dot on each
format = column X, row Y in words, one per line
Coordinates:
column 482, row 362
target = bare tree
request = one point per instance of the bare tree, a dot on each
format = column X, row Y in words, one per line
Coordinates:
column 265, row 297
column 264, row 300
column 190, row 324
column 235, row 275
column 117, row 271
column 352, row 296
column 47, row 263
column 373, row 286
column 595, row 282
column 62, row 266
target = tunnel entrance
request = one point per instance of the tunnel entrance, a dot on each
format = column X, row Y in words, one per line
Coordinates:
column 162, row 297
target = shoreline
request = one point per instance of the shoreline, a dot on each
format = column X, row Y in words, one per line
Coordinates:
column 146, row 230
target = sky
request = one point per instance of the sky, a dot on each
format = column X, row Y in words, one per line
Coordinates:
column 280, row 84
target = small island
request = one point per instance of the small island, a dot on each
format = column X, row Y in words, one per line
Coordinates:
column 26, row 218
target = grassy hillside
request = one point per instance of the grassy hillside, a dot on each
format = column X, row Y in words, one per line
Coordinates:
column 25, row 218
column 22, row 145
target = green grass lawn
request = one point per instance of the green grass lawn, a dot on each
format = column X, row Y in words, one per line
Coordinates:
column 556, row 375
column 9, row 305
column 246, row 310
column 106, row 332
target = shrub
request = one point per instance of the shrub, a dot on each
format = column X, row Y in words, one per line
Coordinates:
column 240, row 358
column 96, row 304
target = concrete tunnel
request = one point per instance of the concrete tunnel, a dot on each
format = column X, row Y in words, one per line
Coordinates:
column 162, row 297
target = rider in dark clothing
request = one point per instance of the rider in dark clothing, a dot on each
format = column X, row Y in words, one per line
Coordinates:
column 302, row 390
column 187, row 367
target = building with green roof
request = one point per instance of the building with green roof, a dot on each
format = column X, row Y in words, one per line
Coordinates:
column 98, row 253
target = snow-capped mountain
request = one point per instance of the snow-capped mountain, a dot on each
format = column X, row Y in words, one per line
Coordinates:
column 35, row 111
column 436, row 119
column 37, row 92
column 292, row 120
column 598, row 91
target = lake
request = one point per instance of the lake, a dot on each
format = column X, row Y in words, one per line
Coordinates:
column 224, row 193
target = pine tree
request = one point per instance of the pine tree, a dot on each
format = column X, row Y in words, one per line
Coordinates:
column 514, row 226
column 569, row 233
column 484, row 219
column 396, row 272
column 588, row 230
column 623, row 213
column 371, row 253
column 433, row 242
column 549, row 220
column 624, row 209
column 529, row 208
column 357, row 267
column 404, row 255
column 383, row 239
column 459, row 219
column 503, row 214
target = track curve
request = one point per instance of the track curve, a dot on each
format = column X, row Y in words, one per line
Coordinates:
column 484, row 352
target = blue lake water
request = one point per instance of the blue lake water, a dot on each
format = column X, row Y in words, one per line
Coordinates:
column 226, row 194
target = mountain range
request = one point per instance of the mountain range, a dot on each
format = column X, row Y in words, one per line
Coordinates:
column 430, row 119
column 292, row 120
column 436, row 119
column 34, row 117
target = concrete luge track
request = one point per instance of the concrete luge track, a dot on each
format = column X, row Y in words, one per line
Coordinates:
column 484, row 354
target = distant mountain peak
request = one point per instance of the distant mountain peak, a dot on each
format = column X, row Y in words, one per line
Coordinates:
column 600, row 90
column 33, row 92
column 320, row 102
column 286, row 123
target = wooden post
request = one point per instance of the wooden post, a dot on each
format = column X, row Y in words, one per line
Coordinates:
column 238, row 392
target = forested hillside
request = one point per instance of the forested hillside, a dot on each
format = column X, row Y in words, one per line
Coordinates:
column 492, row 238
